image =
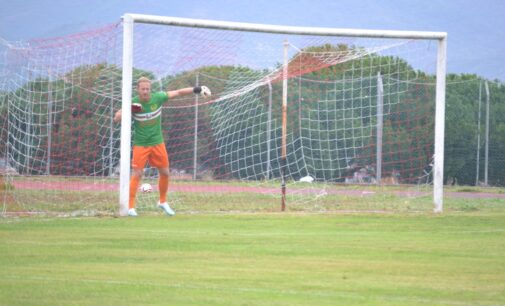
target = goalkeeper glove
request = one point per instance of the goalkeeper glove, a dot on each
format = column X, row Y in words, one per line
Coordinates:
column 204, row 91
column 136, row 107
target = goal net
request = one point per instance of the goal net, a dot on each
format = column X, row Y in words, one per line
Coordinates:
column 319, row 122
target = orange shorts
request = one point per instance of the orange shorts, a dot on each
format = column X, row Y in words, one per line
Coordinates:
column 156, row 155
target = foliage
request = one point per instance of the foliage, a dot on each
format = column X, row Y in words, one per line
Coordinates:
column 462, row 129
column 82, row 102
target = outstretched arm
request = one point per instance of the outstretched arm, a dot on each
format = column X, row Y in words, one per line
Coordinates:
column 202, row 90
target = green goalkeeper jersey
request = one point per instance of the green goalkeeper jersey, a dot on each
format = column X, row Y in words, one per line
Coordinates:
column 147, row 123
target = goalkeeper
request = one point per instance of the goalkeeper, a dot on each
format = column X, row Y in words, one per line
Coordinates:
column 148, row 144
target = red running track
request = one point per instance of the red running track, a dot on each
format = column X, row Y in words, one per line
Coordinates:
column 80, row 186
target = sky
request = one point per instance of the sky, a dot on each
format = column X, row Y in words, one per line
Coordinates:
column 476, row 29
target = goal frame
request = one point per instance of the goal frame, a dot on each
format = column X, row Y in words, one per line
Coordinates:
column 127, row 74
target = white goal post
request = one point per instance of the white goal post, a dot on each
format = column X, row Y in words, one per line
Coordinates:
column 127, row 77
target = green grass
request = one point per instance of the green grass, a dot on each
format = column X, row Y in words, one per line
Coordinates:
column 256, row 259
column 300, row 198
column 51, row 198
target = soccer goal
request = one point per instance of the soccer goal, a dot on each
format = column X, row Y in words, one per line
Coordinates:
column 300, row 118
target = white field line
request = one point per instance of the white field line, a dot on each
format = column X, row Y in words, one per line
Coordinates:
column 315, row 293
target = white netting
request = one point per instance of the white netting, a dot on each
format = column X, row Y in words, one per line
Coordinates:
column 58, row 136
column 59, row 96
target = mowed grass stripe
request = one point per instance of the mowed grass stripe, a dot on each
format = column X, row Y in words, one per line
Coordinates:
column 333, row 294
column 257, row 259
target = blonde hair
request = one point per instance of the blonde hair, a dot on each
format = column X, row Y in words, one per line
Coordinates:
column 143, row 79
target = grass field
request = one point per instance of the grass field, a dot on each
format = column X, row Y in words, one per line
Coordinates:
column 80, row 196
column 256, row 259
